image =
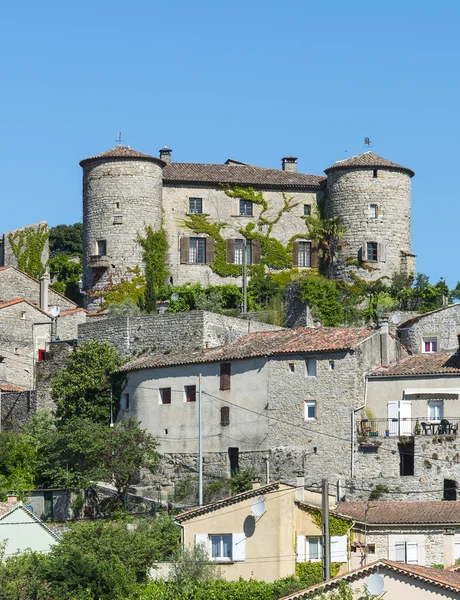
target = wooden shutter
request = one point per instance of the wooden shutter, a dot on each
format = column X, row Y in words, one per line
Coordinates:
column 255, row 251
column 295, row 254
column 201, row 539
column 314, row 255
column 184, row 250
column 230, row 251
column 339, row 548
column 411, row 552
column 301, row 555
column 400, row 552
column 382, row 253
column 210, row 250
column 225, row 416
column 238, row 547
column 225, row 376
column 364, row 251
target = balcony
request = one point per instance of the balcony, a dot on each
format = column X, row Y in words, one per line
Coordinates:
column 97, row 261
column 378, row 428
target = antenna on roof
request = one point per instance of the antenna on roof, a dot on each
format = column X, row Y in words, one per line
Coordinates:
column 368, row 143
column 119, row 140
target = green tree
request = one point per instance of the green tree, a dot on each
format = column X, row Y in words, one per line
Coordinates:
column 66, row 239
column 27, row 246
column 88, row 381
column 328, row 234
column 194, row 565
column 323, row 298
column 66, row 272
column 17, row 464
column 155, row 249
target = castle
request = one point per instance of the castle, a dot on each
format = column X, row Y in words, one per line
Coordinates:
column 208, row 221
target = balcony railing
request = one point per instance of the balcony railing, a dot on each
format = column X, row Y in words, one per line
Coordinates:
column 374, row 428
column 97, row 261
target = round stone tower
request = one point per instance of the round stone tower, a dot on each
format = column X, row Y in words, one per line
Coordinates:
column 372, row 197
column 122, row 192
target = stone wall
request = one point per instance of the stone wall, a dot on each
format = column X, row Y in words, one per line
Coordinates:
column 7, row 251
column 16, row 284
column 17, row 409
column 46, row 369
column 170, row 332
column 442, row 324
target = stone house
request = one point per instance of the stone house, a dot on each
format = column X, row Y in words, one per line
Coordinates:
column 262, row 533
column 434, row 331
column 278, row 400
column 208, row 229
column 397, row 581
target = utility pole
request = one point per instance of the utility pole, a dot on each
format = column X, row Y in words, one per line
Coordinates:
column 200, row 446
column 245, row 278
column 326, row 547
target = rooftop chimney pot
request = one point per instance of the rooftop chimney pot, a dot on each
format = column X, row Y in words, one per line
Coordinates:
column 12, row 498
column 289, row 163
column 165, row 154
column 256, row 483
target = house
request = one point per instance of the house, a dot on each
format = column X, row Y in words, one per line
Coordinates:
column 419, row 533
column 262, row 533
column 20, row 529
column 276, row 400
column 434, row 331
column 412, row 582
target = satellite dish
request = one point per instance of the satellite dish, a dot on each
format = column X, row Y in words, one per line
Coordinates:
column 375, row 584
column 249, row 526
column 258, row 507
column 175, row 297
column 55, row 311
column 396, row 318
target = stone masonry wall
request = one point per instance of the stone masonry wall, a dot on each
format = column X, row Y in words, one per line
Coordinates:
column 17, row 409
column 443, row 324
column 8, row 255
column 46, row 369
column 16, row 284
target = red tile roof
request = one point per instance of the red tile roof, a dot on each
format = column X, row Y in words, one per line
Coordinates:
column 123, row 152
column 8, row 387
column 267, row 343
column 175, row 173
column 367, row 159
column 422, row 364
column 400, row 513
column 5, row 507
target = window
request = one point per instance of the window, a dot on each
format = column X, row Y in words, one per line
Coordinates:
column 221, row 547
column 41, row 355
column 375, row 173
column 310, row 364
column 304, row 254
column 234, row 458
column 225, row 416
column 246, row 208
column 370, row 549
column 430, row 344
column 101, row 247
column 406, row 552
column 331, row 365
column 435, row 410
column 406, row 459
column 190, row 393
column 197, row 251
column 225, row 375
column 373, row 211
column 291, row 367
column 165, row 395
column 310, row 410
column 195, row 205
column 450, row 489
column 124, row 403
column 313, row 553
column 23, row 315
column 306, row 210
column 239, row 252
column 372, row 251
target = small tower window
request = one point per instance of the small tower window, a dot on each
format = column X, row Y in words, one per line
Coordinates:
column 101, row 247
column 375, row 174
column 373, row 211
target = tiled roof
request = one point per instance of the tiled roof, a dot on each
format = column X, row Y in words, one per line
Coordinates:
column 18, row 301
column 266, row 343
column 238, row 174
column 124, row 152
column 8, row 387
column 367, row 159
column 446, row 579
column 422, row 364
column 5, row 507
column 413, row 320
column 196, row 512
column 407, row 253
column 401, row 513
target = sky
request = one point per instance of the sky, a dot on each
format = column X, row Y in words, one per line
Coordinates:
column 253, row 80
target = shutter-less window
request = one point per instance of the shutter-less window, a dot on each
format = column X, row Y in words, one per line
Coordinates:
column 225, row 416
column 184, row 250
column 225, row 376
column 255, row 246
column 230, row 252
column 301, row 556
column 210, row 250
column 295, row 254
column 238, row 547
column 314, row 255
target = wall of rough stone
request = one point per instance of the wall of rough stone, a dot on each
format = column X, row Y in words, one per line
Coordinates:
column 120, row 197
column 16, row 284
column 443, row 324
column 170, row 332
column 45, row 371
column 66, row 327
column 7, row 252
column 17, row 409
column 350, row 192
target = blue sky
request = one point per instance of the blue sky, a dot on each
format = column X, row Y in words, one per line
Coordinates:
column 252, row 80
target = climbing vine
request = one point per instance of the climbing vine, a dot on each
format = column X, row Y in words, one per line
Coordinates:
column 155, row 249
column 27, row 246
column 337, row 525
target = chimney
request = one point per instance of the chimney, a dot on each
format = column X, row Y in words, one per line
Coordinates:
column 300, row 487
column 449, row 548
column 256, row 483
column 384, row 342
column 289, row 163
column 44, row 285
column 12, row 499
column 165, row 154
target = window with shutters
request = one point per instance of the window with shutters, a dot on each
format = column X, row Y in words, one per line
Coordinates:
column 197, row 251
column 245, row 208
column 195, row 206
column 165, row 395
column 221, row 547
column 372, row 251
column 238, row 257
column 304, row 254
column 435, row 410
column 225, row 416
column 225, row 376
column 430, row 344
column 190, row 393
column 406, row 552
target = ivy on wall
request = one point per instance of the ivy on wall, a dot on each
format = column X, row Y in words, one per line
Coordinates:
column 337, row 525
column 155, row 249
column 27, row 246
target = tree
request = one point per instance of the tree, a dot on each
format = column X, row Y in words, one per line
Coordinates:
column 328, row 233
column 17, row 465
column 66, row 239
column 323, row 298
column 194, row 565
column 66, row 272
column 88, row 383
column 155, row 249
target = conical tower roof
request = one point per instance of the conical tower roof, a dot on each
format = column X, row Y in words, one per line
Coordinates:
column 122, row 153
column 370, row 160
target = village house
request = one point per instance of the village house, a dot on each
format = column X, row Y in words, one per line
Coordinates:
column 434, row 331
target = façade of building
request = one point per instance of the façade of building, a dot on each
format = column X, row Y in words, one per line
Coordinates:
column 125, row 190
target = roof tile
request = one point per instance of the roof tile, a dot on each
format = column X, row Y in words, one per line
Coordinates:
column 367, row 159
column 122, row 152
column 401, row 513
column 422, row 364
